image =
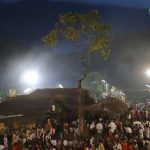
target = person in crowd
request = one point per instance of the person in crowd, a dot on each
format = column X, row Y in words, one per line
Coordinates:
column 15, row 146
column 130, row 146
column 99, row 134
column 92, row 128
column 124, row 145
column 128, row 131
column 112, row 128
column 5, row 140
column 99, row 128
column 117, row 146
column 101, row 145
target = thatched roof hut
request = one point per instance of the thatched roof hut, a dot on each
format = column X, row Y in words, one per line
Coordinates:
column 35, row 105
column 109, row 106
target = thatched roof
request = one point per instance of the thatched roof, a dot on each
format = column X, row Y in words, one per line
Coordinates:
column 109, row 106
column 35, row 105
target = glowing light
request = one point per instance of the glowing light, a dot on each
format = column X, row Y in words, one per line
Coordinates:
column 28, row 91
column 103, row 81
column 148, row 73
column 30, row 77
column 59, row 86
column 147, row 86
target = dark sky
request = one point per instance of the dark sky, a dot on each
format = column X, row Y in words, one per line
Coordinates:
column 128, row 3
column 24, row 22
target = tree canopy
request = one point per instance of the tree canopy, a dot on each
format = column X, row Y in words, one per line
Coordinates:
column 77, row 28
column 86, row 32
column 93, row 82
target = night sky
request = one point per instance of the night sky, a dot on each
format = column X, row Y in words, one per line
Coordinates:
column 24, row 22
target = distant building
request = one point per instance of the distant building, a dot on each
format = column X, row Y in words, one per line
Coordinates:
column 112, row 91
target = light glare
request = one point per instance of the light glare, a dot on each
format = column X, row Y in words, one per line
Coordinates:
column 30, row 77
column 28, row 91
column 148, row 73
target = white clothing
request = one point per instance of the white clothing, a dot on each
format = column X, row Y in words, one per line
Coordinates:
column 141, row 133
column 65, row 143
column 147, row 132
column 129, row 116
column 128, row 130
column 2, row 147
column 112, row 126
column 99, row 126
column 54, row 142
column 92, row 126
column 5, row 142
column 119, row 147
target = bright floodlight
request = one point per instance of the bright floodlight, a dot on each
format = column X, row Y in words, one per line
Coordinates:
column 148, row 73
column 103, row 81
column 28, row 91
column 30, row 77
column 147, row 86
column 59, row 86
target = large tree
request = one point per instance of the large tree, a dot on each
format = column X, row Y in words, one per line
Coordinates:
column 87, row 33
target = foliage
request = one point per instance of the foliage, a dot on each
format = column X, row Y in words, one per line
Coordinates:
column 93, row 83
column 76, row 28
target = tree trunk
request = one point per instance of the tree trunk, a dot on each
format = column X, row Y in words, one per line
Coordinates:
column 79, row 84
column 80, row 113
column 80, row 104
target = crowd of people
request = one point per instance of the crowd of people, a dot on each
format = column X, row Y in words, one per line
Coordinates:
column 131, row 132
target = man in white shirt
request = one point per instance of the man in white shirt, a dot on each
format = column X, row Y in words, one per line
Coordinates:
column 147, row 132
column 99, row 128
column 92, row 128
column 54, row 142
column 128, row 132
column 65, row 143
column 141, row 134
column 112, row 126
